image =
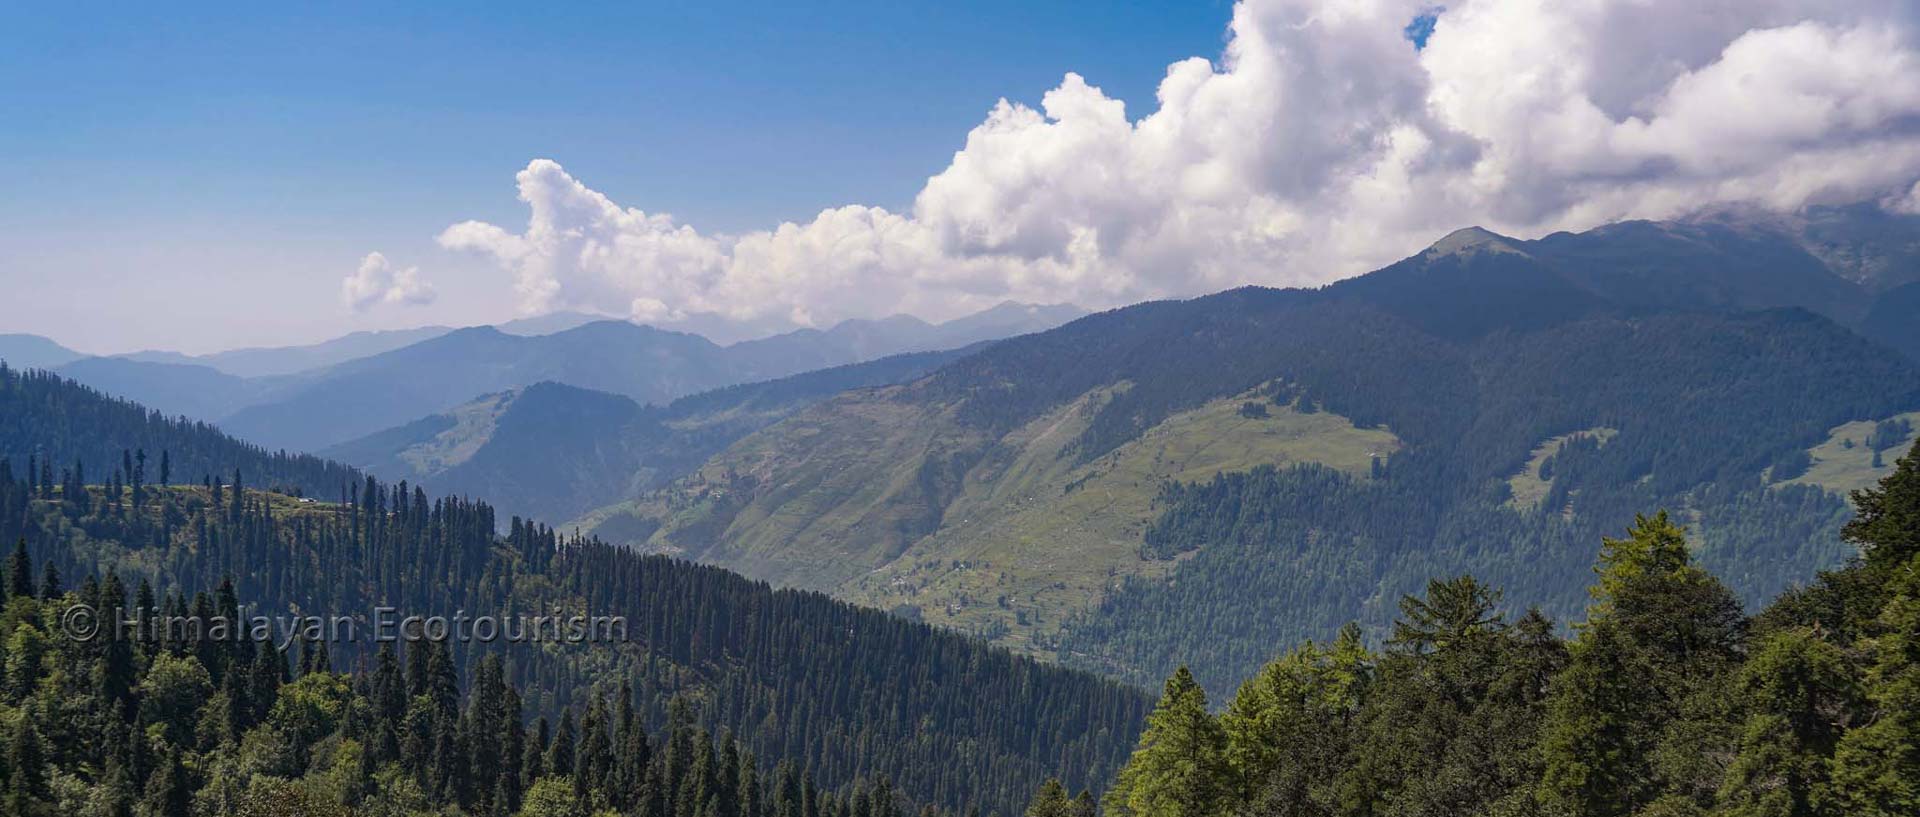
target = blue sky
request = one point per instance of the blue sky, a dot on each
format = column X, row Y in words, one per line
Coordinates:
column 261, row 149
column 200, row 178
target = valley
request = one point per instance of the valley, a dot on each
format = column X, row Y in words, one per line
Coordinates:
column 1045, row 523
column 1062, row 494
column 1258, row 408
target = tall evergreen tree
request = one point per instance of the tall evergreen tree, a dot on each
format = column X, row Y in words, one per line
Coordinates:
column 1180, row 768
column 20, row 572
column 1795, row 691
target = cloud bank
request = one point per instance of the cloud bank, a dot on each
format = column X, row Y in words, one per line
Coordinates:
column 378, row 281
column 1323, row 142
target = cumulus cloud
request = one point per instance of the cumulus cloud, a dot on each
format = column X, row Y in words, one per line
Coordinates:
column 378, row 281
column 1320, row 144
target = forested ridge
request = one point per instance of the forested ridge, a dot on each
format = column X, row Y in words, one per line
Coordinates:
column 1689, row 365
column 844, row 694
column 1704, row 412
column 53, row 424
column 1698, row 408
column 1667, row 701
column 171, row 721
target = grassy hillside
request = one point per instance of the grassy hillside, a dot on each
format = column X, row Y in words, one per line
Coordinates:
column 1534, row 481
column 1033, row 536
column 904, row 507
column 1844, row 462
column 1060, row 492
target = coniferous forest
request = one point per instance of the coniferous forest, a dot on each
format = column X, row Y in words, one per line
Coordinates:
column 725, row 697
column 1256, row 408
column 1668, row 700
column 861, row 705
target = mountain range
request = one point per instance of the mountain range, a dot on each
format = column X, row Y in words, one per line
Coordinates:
column 1177, row 483
column 308, row 398
column 554, row 451
column 1196, row 481
column 1102, row 493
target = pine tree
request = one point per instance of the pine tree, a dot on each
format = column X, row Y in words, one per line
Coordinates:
column 26, row 771
column 1050, row 801
column 1287, row 727
column 50, row 586
column 535, row 751
column 169, row 792
column 114, row 673
column 559, row 761
column 269, row 671
column 1596, row 739
column 20, row 572
column 1793, row 688
column 1180, row 767
column 507, row 791
column 1886, row 526
column 443, row 682
column 1876, row 767
column 1452, row 610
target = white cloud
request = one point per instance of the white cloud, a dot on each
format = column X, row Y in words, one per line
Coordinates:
column 1319, row 145
column 378, row 281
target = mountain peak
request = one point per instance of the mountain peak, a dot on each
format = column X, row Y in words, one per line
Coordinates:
column 1471, row 240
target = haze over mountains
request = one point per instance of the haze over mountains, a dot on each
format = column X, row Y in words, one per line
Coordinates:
column 307, row 398
column 554, row 451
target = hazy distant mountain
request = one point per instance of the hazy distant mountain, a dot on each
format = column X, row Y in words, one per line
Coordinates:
column 34, row 352
column 352, row 399
column 173, row 389
column 365, row 395
column 265, row 361
column 555, row 451
column 280, row 360
column 861, row 339
column 1864, row 243
column 1894, row 319
column 1005, row 320
column 550, row 323
column 321, row 394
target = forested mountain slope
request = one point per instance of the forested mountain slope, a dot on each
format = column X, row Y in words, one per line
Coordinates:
column 1667, row 699
column 53, row 430
column 843, row 692
column 963, row 498
column 553, row 451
